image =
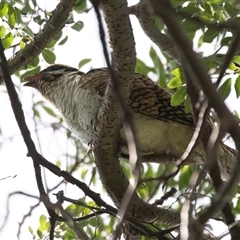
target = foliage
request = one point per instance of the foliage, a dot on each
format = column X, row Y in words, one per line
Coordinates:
column 203, row 21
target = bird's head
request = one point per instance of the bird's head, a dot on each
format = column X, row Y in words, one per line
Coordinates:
column 49, row 77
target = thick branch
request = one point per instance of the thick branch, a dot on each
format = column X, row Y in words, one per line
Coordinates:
column 105, row 142
column 147, row 22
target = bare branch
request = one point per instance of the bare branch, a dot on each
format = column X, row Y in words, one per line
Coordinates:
column 70, row 221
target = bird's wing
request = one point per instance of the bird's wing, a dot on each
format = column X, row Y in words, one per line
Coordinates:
column 150, row 99
column 96, row 80
column 146, row 97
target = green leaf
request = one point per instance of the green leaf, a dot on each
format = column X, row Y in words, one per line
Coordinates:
column 77, row 26
column 179, row 96
column 39, row 233
column 28, row 31
column 51, row 43
column 69, row 134
column 30, row 229
column 49, row 111
column 58, row 36
column 176, row 72
column 142, row 68
column 63, row 41
column 83, row 62
column 71, row 233
column 80, row 6
column 190, row 26
column 36, row 113
column 187, row 105
column 30, row 73
column 142, row 190
column 42, row 221
column 158, row 66
column 225, row 89
column 39, row 20
column 237, row 208
column 236, row 60
column 70, row 19
column 11, row 17
column 48, row 56
column 2, row 31
column 17, row 14
column 214, row 61
column 207, row 7
column 3, row 9
column 178, row 3
column 58, row 163
column 226, row 41
column 27, row 8
column 93, row 222
column 47, row 226
column 237, row 86
column 159, row 23
column 175, row 82
column 22, row 44
column 232, row 66
column 186, row 173
column 34, row 62
column 190, row 9
column 7, row 40
column 210, row 34
column 71, row 208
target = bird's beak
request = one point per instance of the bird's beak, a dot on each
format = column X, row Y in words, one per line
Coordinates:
column 31, row 80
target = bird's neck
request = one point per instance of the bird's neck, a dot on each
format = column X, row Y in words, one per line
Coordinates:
column 76, row 104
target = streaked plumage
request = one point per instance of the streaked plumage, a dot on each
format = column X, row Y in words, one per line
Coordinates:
column 163, row 131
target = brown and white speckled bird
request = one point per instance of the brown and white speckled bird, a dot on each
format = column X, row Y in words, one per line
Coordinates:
column 163, row 131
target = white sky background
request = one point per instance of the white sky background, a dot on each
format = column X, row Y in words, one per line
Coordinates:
column 80, row 45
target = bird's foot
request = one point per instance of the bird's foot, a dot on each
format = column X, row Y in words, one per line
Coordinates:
column 90, row 147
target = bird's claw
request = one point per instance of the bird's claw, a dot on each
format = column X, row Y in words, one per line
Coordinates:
column 90, row 147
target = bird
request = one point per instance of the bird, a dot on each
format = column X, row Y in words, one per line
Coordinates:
column 163, row 131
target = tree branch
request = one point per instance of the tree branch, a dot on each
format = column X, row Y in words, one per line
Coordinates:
column 215, row 100
column 18, row 112
column 105, row 142
column 41, row 40
column 147, row 22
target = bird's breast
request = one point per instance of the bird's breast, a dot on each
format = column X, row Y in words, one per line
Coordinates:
column 157, row 137
column 82, row 108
